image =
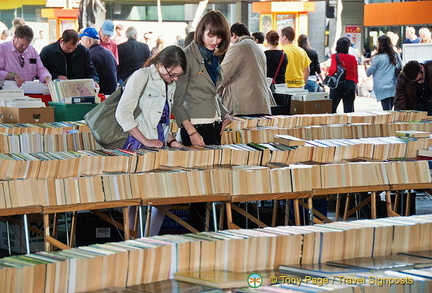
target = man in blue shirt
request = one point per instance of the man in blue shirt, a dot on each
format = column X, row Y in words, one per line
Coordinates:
column 102, row 59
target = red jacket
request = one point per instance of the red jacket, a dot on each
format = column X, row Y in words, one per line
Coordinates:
column 349, row 62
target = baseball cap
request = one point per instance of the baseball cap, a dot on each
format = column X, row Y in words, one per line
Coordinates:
column 91, row 33
column 108, row 28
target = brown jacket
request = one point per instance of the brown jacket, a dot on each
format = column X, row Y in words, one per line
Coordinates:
column 406, row 97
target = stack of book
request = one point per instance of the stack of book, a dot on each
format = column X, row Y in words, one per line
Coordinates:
column 367, row 251
column 73, row 91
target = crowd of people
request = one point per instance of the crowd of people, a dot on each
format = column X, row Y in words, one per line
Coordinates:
column 215, row 72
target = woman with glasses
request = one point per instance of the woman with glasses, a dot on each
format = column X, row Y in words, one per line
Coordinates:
column 152, row 88
column 197, row 110
column 414, row 87
column 383, row 67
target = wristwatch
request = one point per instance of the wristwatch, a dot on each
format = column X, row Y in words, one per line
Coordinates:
column 13, row 75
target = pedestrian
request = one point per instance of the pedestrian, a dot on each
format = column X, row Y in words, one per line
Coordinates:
column 345, row 91
column 297, row 71
column 314, row 67
column 383, row 67
column 274, row 57
column 244, row 88
column 102, row 59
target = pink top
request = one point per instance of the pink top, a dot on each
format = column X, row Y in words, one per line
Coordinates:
column 10, row 61
column 112, row 46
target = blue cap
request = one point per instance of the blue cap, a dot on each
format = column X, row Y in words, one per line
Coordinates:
column 91, row 33
column 108, row 28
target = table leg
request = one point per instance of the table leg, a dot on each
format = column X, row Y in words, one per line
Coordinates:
column 373, row 205
column 214, row 216
column 26, row 232
column 46, row 231
column 126, row 223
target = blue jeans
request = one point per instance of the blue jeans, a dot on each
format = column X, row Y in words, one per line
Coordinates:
column 345, row 92
column 311, row 86
column 387, row 103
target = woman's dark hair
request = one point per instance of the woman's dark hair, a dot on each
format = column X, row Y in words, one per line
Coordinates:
column 342, row 45
column 385, row 46
column 169, row 56
column 216, row 23
column 412, row 69
column 303, row 43
column 272, row 38
column 189, row 38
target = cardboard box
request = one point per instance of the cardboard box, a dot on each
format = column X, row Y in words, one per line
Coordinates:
column 310, row 107
column 17, row 236
column 26, row 115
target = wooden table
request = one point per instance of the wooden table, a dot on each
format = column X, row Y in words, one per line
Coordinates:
column 24, row 211
column 348, row 190
column 295, row 196
column 392, row 206
column 96, row 207
column 162, row 202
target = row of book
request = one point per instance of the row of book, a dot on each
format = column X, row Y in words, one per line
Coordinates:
column 278, row 121
column 158, row 258
column 295, row 121
column 241, row 180
column 49, row 165
column 44, row 128
column 69, row 139
column 335, row 131
column 63, row 136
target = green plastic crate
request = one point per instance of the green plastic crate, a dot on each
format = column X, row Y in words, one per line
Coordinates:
column 70, row 112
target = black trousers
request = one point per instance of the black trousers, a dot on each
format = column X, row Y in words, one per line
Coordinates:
column 345, row 92
column 211, row 135
column 209, row 132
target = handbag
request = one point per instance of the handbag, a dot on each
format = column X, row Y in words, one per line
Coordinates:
column 102, row 122
column 333, row 81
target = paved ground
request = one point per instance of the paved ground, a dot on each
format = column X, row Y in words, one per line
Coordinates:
column 363, row 104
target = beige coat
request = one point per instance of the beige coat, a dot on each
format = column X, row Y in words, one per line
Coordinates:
column 245, row 91
column 195, row 95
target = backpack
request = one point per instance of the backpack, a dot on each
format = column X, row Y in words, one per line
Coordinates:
column 333, row 81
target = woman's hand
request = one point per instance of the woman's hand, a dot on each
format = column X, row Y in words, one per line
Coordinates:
column 175, row 144
column 225, row 122
column 154, row 143
column 196, row 139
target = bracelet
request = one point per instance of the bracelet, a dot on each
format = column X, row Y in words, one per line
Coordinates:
column 171, row 141
column 192, row 133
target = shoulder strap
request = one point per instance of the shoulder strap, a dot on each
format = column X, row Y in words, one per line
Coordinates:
column 137, row 110
column 279, row 66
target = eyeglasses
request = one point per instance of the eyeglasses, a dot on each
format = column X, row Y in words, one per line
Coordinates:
column 21, row 60
column 173, row 76
column 21, row 45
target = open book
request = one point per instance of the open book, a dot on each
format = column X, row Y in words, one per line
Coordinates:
column 73, row 91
